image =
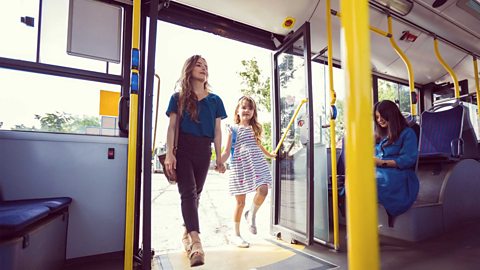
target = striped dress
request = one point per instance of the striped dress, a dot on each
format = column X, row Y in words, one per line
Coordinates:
column 249, row 169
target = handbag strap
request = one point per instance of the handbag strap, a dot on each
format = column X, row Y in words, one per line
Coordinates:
column 175, row 137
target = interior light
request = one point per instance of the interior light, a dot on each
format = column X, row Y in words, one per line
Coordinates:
column 403, row 7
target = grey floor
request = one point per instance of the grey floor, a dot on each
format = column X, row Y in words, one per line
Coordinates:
column 458, row 249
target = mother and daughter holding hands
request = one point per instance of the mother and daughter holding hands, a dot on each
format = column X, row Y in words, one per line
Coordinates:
column 200, row 113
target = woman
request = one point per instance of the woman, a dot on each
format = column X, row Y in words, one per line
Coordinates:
column 396, row 154
column 200, row 115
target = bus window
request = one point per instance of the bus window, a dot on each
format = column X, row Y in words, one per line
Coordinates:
column 395, row 92
column 35, row 102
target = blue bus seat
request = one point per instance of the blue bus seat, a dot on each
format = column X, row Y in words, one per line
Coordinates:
column 449, row 174
column 14, row 219
column 33, row 233
column 470, row 142
column 54, row 204
column 441, row 135
column 17, row 215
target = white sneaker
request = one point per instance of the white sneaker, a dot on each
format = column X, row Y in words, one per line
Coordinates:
column 239, row 242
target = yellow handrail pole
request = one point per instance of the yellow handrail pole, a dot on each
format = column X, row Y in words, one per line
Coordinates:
column 333, row 155
column 447, row 68
column 132, row 139
column 379, row 31
column 411, row 80
column 477, row 85
column 363, row 251
column 305, row 100
column 156, row 114
column 373, row 28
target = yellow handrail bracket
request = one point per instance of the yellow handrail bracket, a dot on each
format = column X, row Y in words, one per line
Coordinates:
column 447, row 68
column 411, row 80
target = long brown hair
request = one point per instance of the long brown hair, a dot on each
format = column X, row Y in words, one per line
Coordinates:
column 257, row 128
column 389, row 111
column 187, row 98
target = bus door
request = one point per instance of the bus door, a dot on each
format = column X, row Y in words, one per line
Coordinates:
column 292, row 194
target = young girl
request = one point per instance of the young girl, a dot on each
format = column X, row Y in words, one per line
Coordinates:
column 249, row 170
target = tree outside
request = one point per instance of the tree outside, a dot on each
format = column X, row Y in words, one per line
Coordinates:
column 395, row 92
column 258, row 87
column 62, row 122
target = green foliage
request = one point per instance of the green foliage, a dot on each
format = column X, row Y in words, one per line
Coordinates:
column 255, row 85
column 79, row 124
column 258, row 87
column 23, row 128
column 286, row 69
column 267, row 136
column 61, row 122
column 54, row 122
column 395, row 92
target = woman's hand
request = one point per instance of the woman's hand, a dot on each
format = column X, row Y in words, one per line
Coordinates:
column 220, row 167
column 170, row 163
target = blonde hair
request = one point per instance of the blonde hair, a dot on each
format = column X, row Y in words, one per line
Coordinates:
column 257, row 128
column 187, row 99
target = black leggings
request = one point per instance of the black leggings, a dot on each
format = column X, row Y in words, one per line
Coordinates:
column 193, row 159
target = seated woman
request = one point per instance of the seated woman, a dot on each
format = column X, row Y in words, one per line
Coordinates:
column 396, row 154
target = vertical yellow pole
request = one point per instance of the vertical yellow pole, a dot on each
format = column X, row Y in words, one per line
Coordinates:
column 447, row 68
column 333, row 140
column 360, row 178
column 411, row 80
column 132, row 139
column 477, row 86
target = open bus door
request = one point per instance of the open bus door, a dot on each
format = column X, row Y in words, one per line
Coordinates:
column 293, row 200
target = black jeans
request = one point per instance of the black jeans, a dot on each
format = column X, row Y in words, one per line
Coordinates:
column 193, row 159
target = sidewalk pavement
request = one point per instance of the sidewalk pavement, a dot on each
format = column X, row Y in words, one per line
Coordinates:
column 216, row 214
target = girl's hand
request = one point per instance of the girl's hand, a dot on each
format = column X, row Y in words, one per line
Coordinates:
column 220, row 167
column 273, row 154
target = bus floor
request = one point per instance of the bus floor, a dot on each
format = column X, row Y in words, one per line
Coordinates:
column 453, row 250
column 458, row 249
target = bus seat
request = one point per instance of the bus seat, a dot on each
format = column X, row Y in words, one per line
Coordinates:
column 449, row 176
column 469, row 138
column 440, row 135
column 33, row 233
column 17, row 215
column 412, row 123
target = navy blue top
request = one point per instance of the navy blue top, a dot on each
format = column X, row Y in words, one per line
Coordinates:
column 209, row 109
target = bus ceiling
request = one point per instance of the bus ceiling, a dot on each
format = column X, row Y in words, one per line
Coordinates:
column 262, row 23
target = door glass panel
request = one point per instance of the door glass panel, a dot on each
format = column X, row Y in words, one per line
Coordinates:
column 293, row 162
column 321, row 145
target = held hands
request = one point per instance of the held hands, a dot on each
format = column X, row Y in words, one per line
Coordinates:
column 220, row 167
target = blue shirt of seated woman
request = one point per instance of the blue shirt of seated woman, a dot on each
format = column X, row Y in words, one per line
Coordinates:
column 396, row 154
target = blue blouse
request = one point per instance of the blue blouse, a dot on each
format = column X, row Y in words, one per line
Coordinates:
column 209, row 109
column 398, row 187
